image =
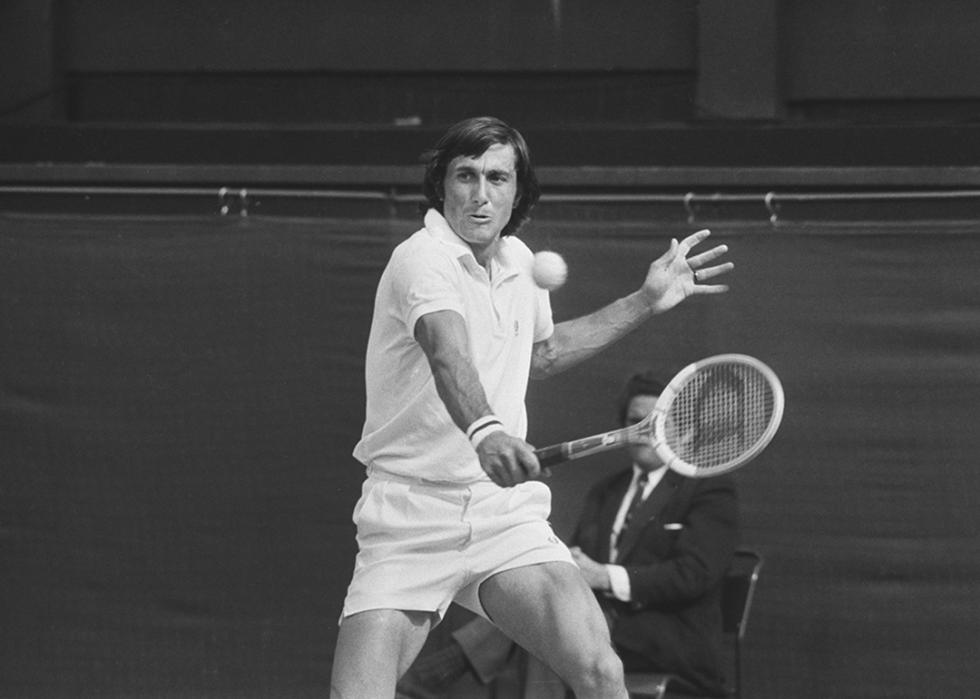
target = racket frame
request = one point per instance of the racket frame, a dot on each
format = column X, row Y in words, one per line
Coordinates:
column 677, row 384
column 652, row 429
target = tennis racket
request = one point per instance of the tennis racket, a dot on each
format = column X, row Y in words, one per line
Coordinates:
column 714, row 416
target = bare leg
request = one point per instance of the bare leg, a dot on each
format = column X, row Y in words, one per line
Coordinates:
column 550, row 611
column 374, row 649
column 484, row 646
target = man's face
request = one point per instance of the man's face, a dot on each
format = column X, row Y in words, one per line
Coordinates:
column 480, row 194
column 643, row 455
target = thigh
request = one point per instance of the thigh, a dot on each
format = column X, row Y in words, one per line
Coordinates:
column 550, row 611
column 374, row 649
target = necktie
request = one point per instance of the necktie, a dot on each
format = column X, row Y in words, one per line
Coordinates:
column 641, row 484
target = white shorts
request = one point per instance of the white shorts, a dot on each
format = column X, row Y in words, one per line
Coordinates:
column 423, row 545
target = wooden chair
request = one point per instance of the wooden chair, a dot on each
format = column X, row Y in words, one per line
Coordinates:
column 737, row 592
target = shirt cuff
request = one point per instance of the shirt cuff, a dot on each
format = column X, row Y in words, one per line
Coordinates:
column 619, row 583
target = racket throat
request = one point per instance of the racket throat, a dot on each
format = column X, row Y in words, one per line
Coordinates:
column 599, row 443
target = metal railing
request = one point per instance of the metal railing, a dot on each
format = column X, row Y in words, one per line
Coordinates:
column 239, row 200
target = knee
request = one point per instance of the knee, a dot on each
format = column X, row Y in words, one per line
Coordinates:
column 601, row 676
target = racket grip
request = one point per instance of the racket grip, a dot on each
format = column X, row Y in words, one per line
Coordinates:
column 549, row 456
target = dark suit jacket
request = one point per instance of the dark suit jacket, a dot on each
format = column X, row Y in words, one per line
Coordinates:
column 673, row 624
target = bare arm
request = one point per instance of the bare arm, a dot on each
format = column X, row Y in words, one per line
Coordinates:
column 576, row 340
column 671, row 278
column 443, row 337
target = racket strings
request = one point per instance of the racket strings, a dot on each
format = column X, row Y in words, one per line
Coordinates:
column 719, row 415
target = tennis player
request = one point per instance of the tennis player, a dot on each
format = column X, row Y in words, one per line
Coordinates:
column 451, row 508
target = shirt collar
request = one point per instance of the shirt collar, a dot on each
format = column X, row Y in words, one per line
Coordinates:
column 502, row 263
column 438, row 227
column 652, row 480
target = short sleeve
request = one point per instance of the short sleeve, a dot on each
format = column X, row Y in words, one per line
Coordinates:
column 425, row 283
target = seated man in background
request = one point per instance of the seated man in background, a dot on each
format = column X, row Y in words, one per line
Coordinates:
column 654, row 546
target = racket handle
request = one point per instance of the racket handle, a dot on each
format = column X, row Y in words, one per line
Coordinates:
column 549, row 456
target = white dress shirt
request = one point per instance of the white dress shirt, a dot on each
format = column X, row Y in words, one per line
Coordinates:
column 619, row 580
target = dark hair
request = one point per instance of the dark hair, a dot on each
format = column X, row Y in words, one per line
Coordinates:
column 643, row 384
column 471, row 138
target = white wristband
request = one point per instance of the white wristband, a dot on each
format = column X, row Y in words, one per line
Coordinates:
column 484, row 433
column 482, row 427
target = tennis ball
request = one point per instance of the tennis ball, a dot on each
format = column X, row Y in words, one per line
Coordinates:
column 549, row 270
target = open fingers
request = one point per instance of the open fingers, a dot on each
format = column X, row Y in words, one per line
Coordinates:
column 703, row 258
column 710, row 288
column 693, row 241
column 702, row 270
column 703, row 274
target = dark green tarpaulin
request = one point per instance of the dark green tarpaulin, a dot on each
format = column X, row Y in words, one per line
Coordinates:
column 179, row 398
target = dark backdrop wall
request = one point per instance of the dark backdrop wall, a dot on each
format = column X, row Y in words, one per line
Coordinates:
column 541, row 61
column 179, row 398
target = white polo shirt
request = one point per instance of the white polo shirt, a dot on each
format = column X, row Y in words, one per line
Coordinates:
column 407, row 429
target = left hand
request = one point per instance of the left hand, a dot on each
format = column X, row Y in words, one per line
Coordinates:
column 674, row 276
column 595, row 574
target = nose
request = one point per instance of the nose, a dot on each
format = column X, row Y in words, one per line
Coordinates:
column 480, row 195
